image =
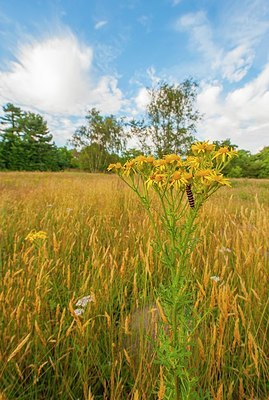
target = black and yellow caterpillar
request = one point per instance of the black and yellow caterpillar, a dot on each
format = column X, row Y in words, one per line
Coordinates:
column 190, row 196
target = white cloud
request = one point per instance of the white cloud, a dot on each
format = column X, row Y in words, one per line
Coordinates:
column 229, row 48
column 142, row 99
column 63, row 127
column 201, row 35
column 236, row 63
column 246, row 21
column 191, row 20
column 55, row 75
column 241, row 115
column 100, row 24
column 106, row 96
column 145, row 79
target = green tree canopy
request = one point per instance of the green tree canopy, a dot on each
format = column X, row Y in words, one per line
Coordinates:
column 94, row 158
column 100, row 141
column 262, row 160
column 11, row 122
column 224, row 143
column 11, row 137
column 248, row 165
column 171, row 118
column 106, row 131
column 38, row 146
column 25, row 142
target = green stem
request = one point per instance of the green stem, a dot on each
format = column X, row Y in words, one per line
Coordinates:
column 177, row 388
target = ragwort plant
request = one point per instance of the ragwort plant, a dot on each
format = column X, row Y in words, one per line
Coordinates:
column 175, row 189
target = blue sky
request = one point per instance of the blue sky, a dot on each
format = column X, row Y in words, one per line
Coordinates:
column 62, row 57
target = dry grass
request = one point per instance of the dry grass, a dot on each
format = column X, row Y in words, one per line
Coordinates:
column 99, row 243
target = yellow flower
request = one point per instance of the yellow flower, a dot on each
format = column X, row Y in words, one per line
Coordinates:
column 156, row 179
column 159, row 163
column 180, row 178
column 218, row 178
column 177, row 175
column 114, row 166
column 129, row 164
column 224, row 152
column 159, row 178
column 192, row 162
column 180, row 163
column 34, row 236
column 203, row 172
column 150, row 159
column 140, row 159
column 187, row 175
column 128, row 167
column 202, row 147
column 170, row 158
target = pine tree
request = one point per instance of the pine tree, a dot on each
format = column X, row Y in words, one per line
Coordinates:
column 39, row 150
column 11, row 133
column 26, row 143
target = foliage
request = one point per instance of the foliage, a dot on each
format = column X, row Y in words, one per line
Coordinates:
column 65, row 158
column 171, row 119
column 246, row 165
column 261, row 164
column 26, row 143
column 11, row 133
column 181, row 186
column 100, row 142
column 94, row 158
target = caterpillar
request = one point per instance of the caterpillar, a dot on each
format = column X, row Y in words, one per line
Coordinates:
column 190, row 196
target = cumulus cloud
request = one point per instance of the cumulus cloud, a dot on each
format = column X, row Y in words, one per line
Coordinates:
column 241, row 115
column 142, row 99
column 63, row 127
column 50, row 75
column 55, row 75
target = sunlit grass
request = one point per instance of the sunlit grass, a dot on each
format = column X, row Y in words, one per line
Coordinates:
column 99, row 243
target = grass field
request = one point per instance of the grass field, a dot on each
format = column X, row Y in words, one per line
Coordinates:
column 99, row 244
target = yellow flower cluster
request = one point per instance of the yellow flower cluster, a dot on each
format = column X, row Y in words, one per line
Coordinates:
column 34, row 236
column 201, row 168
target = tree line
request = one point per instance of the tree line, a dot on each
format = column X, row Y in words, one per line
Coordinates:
column 26, row 144
column 168, row 126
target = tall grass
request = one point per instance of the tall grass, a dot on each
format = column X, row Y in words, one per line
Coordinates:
column 99, row 244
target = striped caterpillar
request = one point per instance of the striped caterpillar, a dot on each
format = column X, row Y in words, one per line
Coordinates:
column 190, row 196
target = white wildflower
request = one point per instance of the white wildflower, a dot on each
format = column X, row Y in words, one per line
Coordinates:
column 69, row 210
column 84, row 301
column 79, row 311
column 225, row 250
column 215, row 278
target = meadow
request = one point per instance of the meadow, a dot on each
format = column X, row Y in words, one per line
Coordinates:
column 97, row 243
